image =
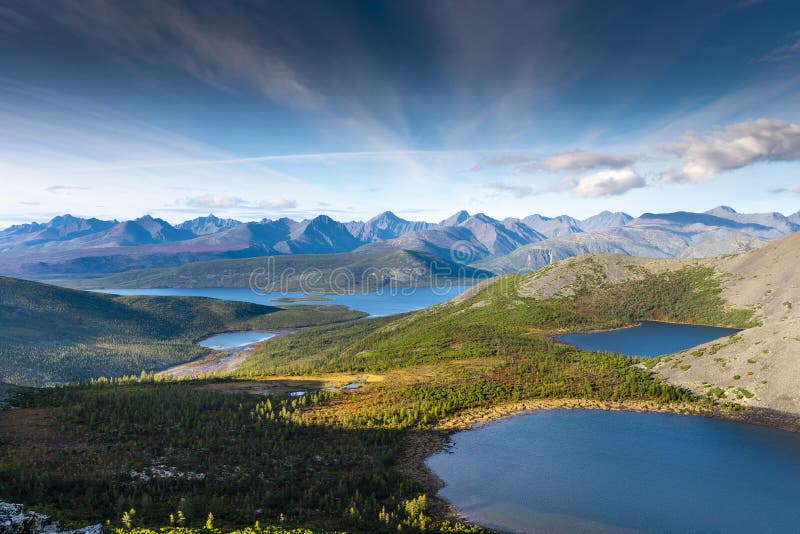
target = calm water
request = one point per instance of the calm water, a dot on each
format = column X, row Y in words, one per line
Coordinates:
column 232, row 340
column 598, row 471
column 649, row 339
column 375, row 303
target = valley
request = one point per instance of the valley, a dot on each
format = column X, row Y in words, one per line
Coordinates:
column 399, row 267
column 418, row 377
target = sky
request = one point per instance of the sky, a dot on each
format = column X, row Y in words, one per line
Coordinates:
column 270, row 109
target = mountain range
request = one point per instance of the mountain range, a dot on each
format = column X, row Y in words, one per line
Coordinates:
column 74, row 247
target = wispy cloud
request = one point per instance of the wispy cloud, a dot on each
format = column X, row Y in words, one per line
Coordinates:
column 582, row 160
column 608, row 183
column 512, row 189
column 795, row 189
column 227, row 54
column 733, row 147
column 214, row 201
column 791, row 50
column 277, row 204
column 67, row 188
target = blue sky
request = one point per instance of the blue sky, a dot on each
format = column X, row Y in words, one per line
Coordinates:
column 251, row 109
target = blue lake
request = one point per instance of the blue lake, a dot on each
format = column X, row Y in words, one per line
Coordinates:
column 378, row 303
column 600, row 471
column 232, row 340
column 649, row 339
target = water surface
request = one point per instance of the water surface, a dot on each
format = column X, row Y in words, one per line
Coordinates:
column 232, row 340
column 649, row 339
column 376, row 303
column 599, row 471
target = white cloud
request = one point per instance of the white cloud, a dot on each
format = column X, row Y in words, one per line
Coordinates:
column 513, row 189
column 734, row 147
column 607, row 183
column 214, row 201
column 581, row 160
column 278, row 204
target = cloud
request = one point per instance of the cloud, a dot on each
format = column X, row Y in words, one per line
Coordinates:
column 608, row 183
column 581, row 160
column 58, row 188
column 791, row 189
column 515, row 190
column 734, row 147
column 500, row 160
column 214, row 201
column 278, row 204
column 785, row 52
column 226, row 52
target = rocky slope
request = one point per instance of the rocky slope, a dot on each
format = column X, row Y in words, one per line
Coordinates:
column 16, row 519
column 762, row 366
column 758, row 367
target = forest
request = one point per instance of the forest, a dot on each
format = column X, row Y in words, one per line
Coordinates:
column 54, row 335
column 149, row 453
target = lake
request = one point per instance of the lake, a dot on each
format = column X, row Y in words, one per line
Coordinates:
column 648, row 339
column 601, row 471
column 232, row 340
column 376, row 303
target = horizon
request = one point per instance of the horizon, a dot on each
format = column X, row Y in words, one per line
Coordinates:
column 178, row 221
column 183, row 108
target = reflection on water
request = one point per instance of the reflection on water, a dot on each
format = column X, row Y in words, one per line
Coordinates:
column 600, row 471
column 377, row 304
column 232, row 340
column 648, row 339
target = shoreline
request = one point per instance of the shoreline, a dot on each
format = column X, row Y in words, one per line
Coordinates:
column 219, row 359
column 422, row 446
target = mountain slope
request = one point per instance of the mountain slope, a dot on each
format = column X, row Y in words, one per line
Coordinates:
column 369, row 268
column 553, row 226
column 385, row 226
column 763, row 360
column 71, row 247
column 771, row 220
column 51, row 334
column 605, row 219
column 61, row 228
column 758, row 291
column 207, row 225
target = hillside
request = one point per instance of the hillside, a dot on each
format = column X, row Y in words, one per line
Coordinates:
column 759, row 290
column 759, row 368
column 764, row 360
column 369, row 268
column 382, row 393
column 50, row 334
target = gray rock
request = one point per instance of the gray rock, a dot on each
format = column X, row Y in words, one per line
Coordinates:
column 16, row 519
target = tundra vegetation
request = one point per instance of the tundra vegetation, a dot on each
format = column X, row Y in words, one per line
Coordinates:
column 341, row 459
column 50, row 334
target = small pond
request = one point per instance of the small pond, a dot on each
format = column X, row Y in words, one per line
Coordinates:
column 648, row 339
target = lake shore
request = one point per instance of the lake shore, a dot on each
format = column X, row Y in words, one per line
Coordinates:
column 222, row 360
column 424, row 445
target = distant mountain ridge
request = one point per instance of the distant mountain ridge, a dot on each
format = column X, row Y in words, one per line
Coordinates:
column 68, row 246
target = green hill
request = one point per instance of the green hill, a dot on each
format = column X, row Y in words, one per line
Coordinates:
column 506, row 317
column 51, row 334
column 366, row 269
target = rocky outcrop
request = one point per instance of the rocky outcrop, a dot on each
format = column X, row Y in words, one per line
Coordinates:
column 16, row 519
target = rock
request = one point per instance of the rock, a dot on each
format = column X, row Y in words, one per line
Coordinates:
column 16, row 519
